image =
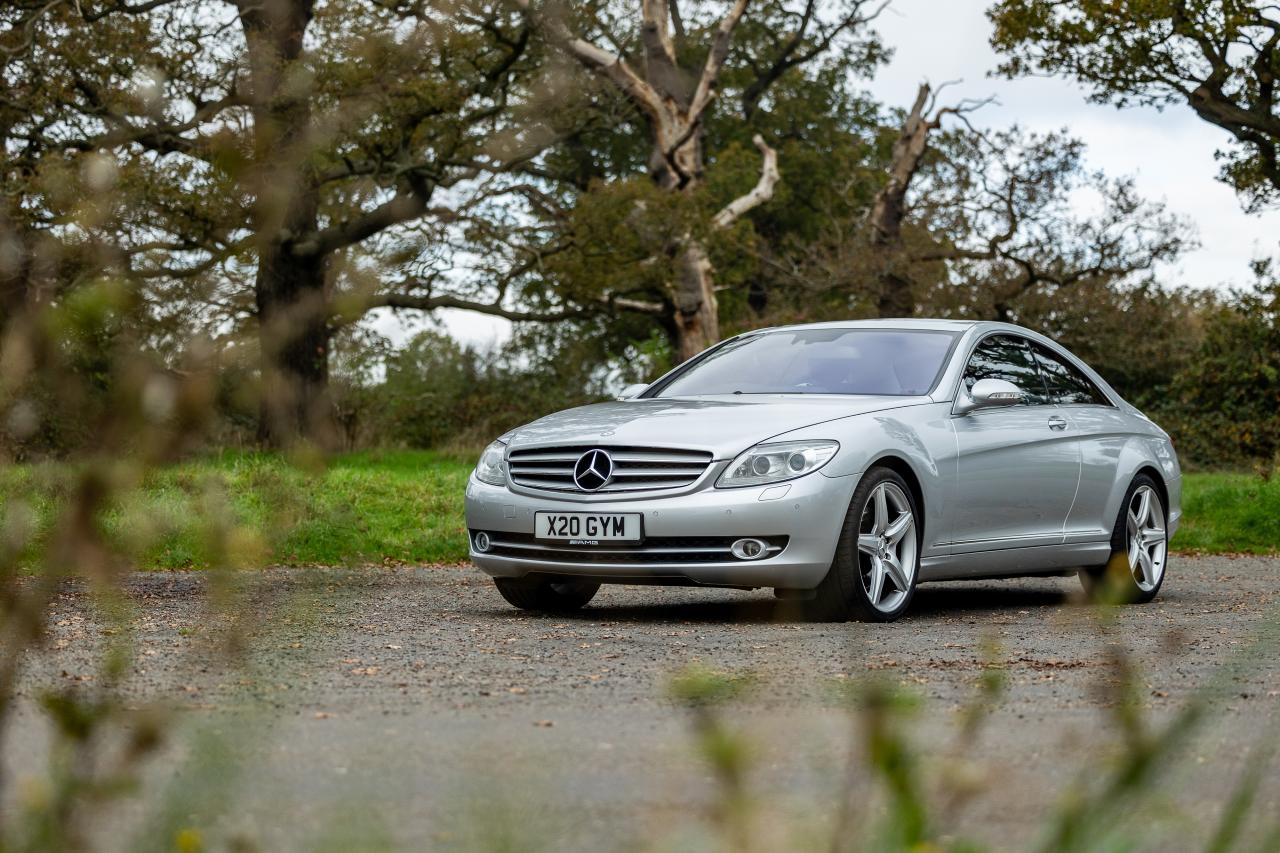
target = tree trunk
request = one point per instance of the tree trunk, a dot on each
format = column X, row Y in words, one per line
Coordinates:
column 697, row 318
column 293, row 331
column 290, row 287
column 895, row 297
column 15, row 272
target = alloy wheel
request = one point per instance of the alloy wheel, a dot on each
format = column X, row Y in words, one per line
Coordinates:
column 887, row 547
column 1148, row 542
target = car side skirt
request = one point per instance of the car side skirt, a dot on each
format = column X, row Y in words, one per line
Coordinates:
column 1011, row 562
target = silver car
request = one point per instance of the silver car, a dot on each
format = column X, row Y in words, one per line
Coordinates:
column 841, row 464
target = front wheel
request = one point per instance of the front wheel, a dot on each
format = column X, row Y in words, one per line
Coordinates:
column 1139, row 549
column 873, row 575
column 546, row 596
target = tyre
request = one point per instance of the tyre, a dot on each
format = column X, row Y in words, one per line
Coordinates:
column 546, row 596
column 873, row 575
column 1139, row 549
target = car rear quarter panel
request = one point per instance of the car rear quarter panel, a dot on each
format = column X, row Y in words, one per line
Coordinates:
column 1117, row 443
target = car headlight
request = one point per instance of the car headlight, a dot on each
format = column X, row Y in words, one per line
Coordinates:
column 492, row 467
column 772, row 463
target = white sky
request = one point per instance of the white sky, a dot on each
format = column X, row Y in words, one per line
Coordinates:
column 1169, row 153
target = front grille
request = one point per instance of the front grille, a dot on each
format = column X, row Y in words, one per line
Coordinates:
column 654, row 549
column 635, row 469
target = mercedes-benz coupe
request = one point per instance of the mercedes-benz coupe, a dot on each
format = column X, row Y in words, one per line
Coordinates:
column 841, row 464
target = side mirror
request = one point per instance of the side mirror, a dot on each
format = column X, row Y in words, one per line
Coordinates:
column 988, row 394
column 632, row 391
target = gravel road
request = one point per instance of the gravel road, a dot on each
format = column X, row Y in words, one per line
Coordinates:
column 410, row 707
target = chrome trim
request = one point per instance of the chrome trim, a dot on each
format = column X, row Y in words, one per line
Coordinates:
column 633, row 469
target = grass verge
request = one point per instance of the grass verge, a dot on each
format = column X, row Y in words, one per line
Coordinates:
column 406, row 506
column 357, row 508
column 1229, row 514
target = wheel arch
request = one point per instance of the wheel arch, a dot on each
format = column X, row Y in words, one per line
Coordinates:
column 1154, row 473
column 1136, row 459
column 899, row 465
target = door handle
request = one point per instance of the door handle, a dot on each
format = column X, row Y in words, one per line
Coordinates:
column 1057, row 423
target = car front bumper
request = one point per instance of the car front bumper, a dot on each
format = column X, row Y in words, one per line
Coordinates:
column 808, row 515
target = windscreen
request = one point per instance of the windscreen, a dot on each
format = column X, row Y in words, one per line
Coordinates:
column 885, row 362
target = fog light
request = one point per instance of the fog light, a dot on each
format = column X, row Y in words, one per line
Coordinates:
column 749, row 549
column 482, row 542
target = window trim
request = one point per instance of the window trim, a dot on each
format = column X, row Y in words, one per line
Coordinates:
column 1070, row 360
column 964, row 367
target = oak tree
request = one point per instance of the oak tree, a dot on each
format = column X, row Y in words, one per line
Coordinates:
column 1219, row 57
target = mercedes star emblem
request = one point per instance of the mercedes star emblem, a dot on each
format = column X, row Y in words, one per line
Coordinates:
column 593, row 470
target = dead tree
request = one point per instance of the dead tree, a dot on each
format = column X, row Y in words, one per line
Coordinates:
column 889, row 208
column 674, row 100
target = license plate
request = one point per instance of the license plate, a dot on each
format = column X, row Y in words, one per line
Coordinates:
column 587, row 528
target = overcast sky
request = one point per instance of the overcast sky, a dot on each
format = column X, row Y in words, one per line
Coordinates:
column 1169, row 153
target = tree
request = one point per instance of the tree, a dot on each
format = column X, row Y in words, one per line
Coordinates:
column 889, row 209
column 967, row 222
column 1220, row 57
column 1013, row 215
column 674, row 97
column 272, row 141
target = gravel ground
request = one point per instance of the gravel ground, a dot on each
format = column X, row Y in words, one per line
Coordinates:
column 411, row 707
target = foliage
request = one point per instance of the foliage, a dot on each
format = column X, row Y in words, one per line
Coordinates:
column 1230, row 390
column 432, row 392
column 1220, row 57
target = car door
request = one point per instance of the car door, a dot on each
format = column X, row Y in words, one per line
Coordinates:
column 1017, row 467
column 1101, row 431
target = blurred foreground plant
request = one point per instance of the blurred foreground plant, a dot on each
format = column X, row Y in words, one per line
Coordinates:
column 73, row 357
column 897, row 797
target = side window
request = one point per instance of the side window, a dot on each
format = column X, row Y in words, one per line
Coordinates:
column 1065, row 383
column 1007, row 357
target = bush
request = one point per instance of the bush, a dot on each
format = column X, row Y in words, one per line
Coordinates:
column 435, row 392
column 1224, row 406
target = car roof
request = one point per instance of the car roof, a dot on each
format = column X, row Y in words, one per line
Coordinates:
column 912, row 323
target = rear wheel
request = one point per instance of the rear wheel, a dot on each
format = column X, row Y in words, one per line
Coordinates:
column 1139, row 549
column 546, row 596
column 873, row 575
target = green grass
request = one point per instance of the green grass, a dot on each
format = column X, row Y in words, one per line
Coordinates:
column 253, row 509
column 1229, row 514
column 246, row 509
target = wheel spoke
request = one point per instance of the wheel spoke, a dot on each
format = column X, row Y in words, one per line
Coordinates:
column 877, row 581
column 1147, row 568
column 1134, row 524
column 868, row 543
column 894, row 532
column 881, row 509
column 1152, row 536
column 893, row 569
column 1144, row 507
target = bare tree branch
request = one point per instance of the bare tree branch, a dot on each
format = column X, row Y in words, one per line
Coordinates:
column 762, row 192
column 597, row 58
column 705, row 91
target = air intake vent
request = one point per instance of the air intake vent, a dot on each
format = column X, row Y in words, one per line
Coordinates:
column 633, row 469
column 654, row 550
